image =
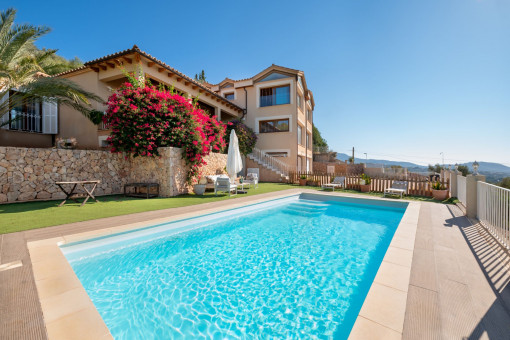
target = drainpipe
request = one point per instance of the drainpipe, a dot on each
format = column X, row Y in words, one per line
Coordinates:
column 245, row 111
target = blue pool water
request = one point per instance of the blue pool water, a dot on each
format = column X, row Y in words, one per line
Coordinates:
column 298, row 269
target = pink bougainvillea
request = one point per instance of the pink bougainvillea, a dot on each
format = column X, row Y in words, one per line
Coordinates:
column 142, row 119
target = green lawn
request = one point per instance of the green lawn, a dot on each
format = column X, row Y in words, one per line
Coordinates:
column 25, row 216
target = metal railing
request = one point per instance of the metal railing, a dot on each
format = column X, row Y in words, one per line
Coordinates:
column 270, row 161
column 26, row 121
column 493, row 210
column 461, row 189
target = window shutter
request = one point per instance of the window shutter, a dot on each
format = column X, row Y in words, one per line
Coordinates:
column 50, row 117
column 4, row 119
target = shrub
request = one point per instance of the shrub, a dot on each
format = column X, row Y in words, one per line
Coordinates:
column 143, row 118
column 367, row 179
column 247, row 137
column 438, row 186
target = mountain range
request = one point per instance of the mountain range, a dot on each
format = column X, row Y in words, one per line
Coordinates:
column 493, row 171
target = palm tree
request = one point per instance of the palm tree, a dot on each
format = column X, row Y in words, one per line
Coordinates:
column 27, row 73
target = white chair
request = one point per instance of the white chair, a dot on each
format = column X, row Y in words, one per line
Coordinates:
column 252, row 179
column 338, row 182
column 224, row 185
column 398, row 188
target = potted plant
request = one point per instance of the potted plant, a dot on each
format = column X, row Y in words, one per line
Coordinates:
column 364, row 183
column 199, row 188
column 302, row 180
column 439, row 192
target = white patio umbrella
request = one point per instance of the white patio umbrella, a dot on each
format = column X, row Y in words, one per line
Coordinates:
column 234, row 160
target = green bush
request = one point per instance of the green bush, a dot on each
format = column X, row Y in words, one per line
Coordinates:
column 367, row 178
column 438, row 186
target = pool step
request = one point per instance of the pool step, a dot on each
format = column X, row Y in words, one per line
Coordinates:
column 303, row 209
column 306, row 207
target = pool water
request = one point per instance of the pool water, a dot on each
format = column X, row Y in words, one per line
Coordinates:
column 301, row 269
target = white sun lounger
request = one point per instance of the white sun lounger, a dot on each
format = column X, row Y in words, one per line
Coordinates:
column 338, row 182
column 398, row 188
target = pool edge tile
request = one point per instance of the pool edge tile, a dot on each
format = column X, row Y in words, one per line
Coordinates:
column 364, row 329
column 374, row 312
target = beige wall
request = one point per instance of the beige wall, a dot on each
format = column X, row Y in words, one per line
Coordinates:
column 28, row 139
column 278, row 141
column 73, row 123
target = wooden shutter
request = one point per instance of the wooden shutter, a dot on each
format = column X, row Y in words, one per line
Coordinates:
column 50, row 118
column 4, row 119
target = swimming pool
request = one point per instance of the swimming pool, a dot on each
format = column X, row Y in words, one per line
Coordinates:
column 293, row 267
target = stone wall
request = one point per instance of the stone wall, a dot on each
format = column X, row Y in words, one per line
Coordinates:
column 30, row 173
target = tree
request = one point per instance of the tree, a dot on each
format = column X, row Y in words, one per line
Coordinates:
column 200, row 77
column 26, row 70
column 435, row 168
column 505, row 183
column 319, row 143
column 53, row 63
column 245, row 135
column 464, row 170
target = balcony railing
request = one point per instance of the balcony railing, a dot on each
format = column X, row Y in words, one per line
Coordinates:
column 25, row 121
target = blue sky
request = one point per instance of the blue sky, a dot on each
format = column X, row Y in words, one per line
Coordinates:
column 397, row 79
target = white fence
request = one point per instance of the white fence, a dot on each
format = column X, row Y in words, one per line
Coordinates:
column 494, row 210
column 461, row 189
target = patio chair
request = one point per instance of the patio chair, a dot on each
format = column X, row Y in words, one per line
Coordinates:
column 252, row 178
column 398, row 188
column 338, row 182
column 224, row 185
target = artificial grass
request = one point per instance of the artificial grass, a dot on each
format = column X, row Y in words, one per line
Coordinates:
column 32, row 215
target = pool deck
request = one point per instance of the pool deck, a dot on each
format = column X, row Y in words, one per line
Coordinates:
column 458, row 278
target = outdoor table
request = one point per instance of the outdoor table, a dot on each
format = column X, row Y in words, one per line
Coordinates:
column 242, row 185
column 73, row 194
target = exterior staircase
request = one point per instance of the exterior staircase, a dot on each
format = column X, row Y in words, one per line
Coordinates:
column 271, row 163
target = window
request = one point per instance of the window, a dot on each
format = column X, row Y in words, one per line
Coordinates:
column 299, row 137
column 274, row 76
column 309, row 115
column 299, row 101
column 278, row 125
column 229, row 96
column 26, row 116
column 275, row 96
column 307, row 140
column 278, row 154
column 300, row 81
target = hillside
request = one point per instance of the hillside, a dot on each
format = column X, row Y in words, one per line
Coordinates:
column 494, row 171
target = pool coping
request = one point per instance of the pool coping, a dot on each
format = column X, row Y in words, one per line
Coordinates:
column 68, row 311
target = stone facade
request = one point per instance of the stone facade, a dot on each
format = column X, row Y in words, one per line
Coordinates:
column 30, row 173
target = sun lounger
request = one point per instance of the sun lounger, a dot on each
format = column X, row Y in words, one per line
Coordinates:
column 398, row 188
column 224, row 185
column 338, row 182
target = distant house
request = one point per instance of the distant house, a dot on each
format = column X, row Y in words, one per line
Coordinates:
column 276, row 103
